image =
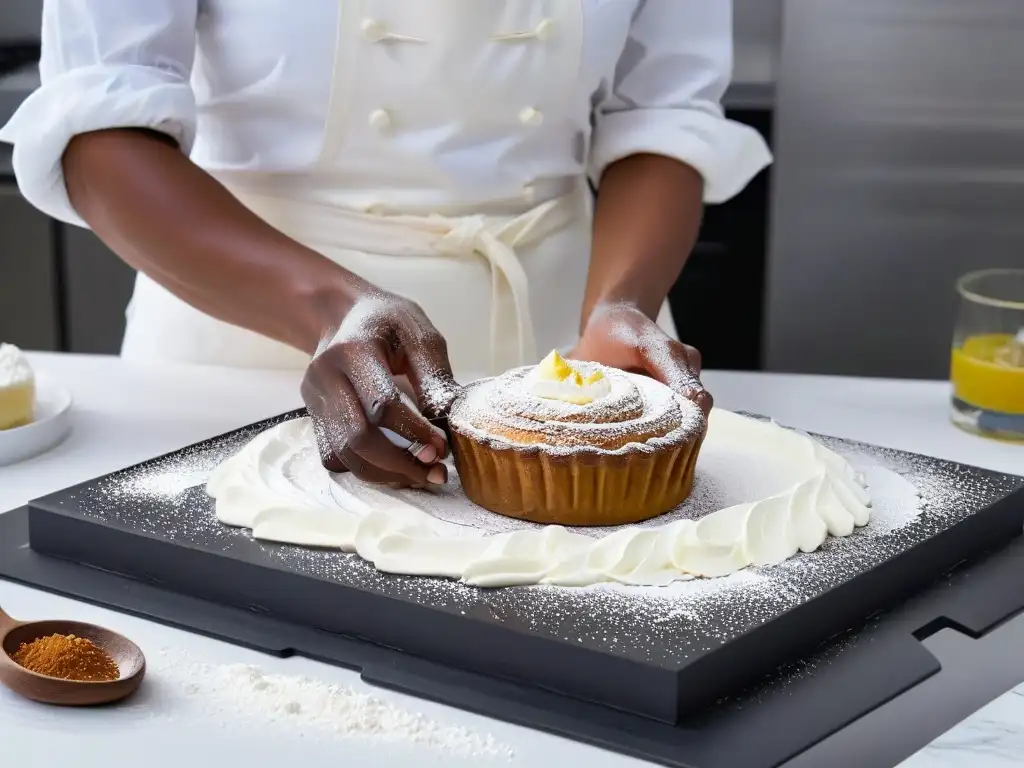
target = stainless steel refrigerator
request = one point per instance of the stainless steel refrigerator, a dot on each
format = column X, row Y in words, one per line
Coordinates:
column 899, row 136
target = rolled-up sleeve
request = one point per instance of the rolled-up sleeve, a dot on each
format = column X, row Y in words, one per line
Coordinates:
column 105, row 64
column 666, row 98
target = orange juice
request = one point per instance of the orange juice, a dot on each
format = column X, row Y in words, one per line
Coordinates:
column 988, row 373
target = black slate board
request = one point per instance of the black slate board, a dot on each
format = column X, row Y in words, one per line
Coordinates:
column 791, row 710
column 529, row 639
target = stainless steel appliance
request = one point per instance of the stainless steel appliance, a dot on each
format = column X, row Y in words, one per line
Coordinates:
column 30, row 282
column 19, row 20
column 60, row 287
column 899, row 140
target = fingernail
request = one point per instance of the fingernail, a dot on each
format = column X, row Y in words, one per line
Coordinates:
column 427, row 454
column 436, row 475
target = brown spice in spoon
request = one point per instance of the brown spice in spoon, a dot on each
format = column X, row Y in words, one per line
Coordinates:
column 69, row 658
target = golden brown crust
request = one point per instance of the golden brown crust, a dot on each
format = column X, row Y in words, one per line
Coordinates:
column 611, row 441
column 585, row 490
column 553, row 470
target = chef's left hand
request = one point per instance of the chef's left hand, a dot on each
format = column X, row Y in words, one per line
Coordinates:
column 621, row 336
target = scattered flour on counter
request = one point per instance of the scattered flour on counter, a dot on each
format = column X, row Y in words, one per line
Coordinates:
column 310, row 707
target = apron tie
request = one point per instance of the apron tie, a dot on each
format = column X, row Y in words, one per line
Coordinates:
column 496, row 242
column 495, row 238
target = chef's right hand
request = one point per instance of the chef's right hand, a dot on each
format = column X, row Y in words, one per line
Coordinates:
column 351, row 394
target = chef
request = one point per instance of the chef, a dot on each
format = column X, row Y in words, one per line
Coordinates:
column 387, row 191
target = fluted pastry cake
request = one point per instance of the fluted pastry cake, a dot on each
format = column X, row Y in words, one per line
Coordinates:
column 575, row 444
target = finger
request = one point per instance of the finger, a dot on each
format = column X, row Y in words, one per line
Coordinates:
column 438, row 423
column 369, row 473
column 430, row 373
column 374, row 452
column 671, row 362
column 314, row 387
column 365, row 472
column 385, row 404
column 396, row 412
column 678, row 366
column 330, row 460
column 405, row 387
column 695, row 358
column 702, row 398
column 346, row 429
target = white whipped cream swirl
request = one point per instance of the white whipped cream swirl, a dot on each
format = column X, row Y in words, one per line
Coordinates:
column 276, row 487
column 15, row 369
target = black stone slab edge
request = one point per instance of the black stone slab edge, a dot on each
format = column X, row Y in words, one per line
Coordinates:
column 503, row 647
column 765, row 726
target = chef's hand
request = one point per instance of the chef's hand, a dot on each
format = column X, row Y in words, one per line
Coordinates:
column 351, row 393
column 621, row 336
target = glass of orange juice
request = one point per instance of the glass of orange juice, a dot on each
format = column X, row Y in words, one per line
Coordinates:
column 988, row 354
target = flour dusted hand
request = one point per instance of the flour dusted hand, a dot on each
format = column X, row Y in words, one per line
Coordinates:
column 622, row 336
column 351, row 393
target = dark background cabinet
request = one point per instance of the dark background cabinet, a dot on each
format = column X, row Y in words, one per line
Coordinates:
column 61, row 288
column 719, row 301
column 30, row 315
column 99, row 286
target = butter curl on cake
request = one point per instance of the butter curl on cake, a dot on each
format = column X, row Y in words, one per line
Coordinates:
column 575, row 444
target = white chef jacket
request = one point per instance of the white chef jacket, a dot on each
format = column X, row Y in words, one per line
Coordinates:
column 452, row 107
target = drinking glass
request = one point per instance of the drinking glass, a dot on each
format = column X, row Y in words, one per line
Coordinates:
column 987, row 368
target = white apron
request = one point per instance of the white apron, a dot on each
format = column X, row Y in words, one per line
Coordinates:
column 502, row 290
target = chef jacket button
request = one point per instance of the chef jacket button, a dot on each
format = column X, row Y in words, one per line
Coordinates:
column 530, row 193
column 544, row 30
column 530, row 116
column 374, row 30
column 380, row 119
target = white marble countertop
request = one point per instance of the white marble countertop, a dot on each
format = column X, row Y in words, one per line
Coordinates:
column 124, row 414
column 993, row 737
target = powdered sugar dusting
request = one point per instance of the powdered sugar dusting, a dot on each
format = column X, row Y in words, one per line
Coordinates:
column 663, row 625
column 248, row 696
column 637, row 407
column 14, row 366
column 383, row 321
column 725, row 476
column 629, row 326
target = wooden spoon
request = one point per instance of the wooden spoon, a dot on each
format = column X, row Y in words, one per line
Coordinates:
column 52, row 690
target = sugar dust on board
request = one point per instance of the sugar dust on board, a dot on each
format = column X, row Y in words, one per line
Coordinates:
column 987, row 373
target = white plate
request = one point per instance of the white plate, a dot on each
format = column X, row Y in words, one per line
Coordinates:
column 52, row 424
